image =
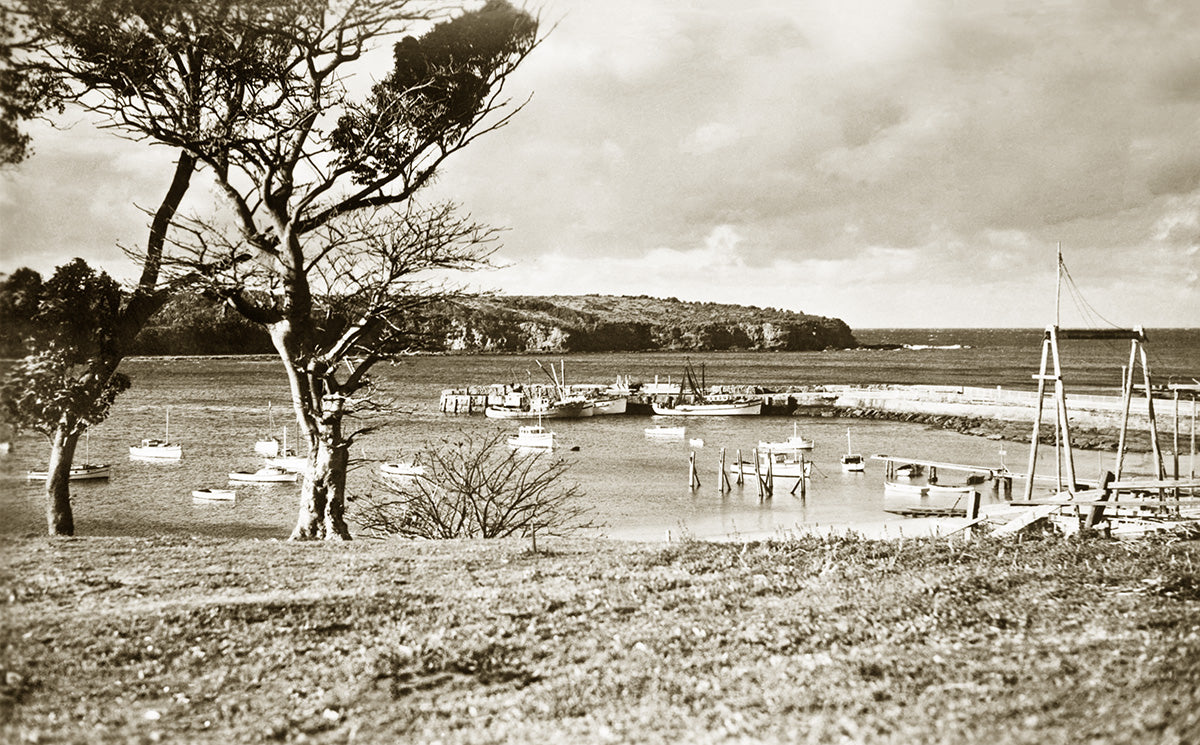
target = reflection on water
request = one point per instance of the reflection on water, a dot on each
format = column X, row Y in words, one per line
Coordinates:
column 637, row 487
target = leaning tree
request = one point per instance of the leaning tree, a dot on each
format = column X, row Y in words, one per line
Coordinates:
column 326, row 243
column 161, row 71
column 73, row 322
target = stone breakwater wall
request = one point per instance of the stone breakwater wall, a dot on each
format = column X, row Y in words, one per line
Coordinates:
column 1089, row 411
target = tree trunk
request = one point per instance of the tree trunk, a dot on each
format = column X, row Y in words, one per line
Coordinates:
column 323, row 494
column 59, row 519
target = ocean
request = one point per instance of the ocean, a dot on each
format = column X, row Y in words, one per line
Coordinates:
column 634, row 487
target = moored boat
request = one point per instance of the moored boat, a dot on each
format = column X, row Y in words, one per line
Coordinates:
column 732, row 407
column 792, row 444
column 532, row 436
column 571, row 408
column 401, row 469
column 214, row 495
column 83, row 472
column 163, row 449
column 893, row 487
column 852, row 462
column 267, row 474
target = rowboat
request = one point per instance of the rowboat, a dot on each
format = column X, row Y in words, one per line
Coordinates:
column 267, row 474
column 214, row 495
column 78, row 473
column 532, row 436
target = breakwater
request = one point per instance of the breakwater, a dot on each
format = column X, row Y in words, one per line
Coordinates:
column 995, row 412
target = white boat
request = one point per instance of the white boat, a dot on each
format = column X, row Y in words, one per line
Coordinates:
column 732, row 407
column 852, row 462
column 269, row 447
column 956, row 490
column 214, row 495
column 696, row 442
column 287, row 458
column 661, row 430
column 692, row 400
column 162, row 449
column 793, row 444
column 78, row 473
column 893, row 487
column 907, row 471
column 532, row 436
column 403, row 470
column 267, row 474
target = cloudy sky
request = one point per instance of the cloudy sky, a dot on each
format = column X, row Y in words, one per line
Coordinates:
column 887, row 162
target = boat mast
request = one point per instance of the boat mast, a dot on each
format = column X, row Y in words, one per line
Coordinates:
column 1058, row 286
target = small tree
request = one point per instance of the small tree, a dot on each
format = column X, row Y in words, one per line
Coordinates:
column 475, row 487
column 56, row 390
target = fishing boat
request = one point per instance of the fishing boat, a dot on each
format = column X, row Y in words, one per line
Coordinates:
column 852, row 462
column 214, row 495
column 692, row 401
column 532, row 436
column 156, row 449
column 606, row 405
column 664, row 431
column 266, row 474
column 402, row 470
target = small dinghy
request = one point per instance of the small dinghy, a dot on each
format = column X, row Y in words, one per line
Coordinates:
column 268, row 474
column 214, row 495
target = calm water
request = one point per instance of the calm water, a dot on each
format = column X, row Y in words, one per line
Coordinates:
column 637, row 488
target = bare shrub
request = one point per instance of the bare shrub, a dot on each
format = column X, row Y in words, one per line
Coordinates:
column 476, row 487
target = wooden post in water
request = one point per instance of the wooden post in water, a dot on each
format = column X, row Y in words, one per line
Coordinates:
column 723, row 478
column 972, row 510
column 693, row 477
column 757, row 473
column 770, row 484
column 741, row 479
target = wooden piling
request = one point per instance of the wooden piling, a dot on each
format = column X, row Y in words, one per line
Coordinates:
column 723, row 478
column 973, row 504
column 757, row 473
column 740, row 477
column 693, row 477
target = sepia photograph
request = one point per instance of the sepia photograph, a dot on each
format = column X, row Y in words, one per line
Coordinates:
column 599, row 371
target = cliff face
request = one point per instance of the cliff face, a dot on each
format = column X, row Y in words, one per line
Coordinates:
column 598, row 323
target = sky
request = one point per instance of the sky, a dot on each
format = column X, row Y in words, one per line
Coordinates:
column 892, row 163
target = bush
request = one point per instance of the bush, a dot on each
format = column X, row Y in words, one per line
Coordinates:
column 476, row 487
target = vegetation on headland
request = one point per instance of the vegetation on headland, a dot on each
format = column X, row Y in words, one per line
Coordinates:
column 808, row 640
column 192, row 323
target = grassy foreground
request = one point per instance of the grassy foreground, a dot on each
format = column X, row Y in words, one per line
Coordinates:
column 809, row 640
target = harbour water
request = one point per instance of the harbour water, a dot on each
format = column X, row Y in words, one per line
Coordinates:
column 635, row 487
